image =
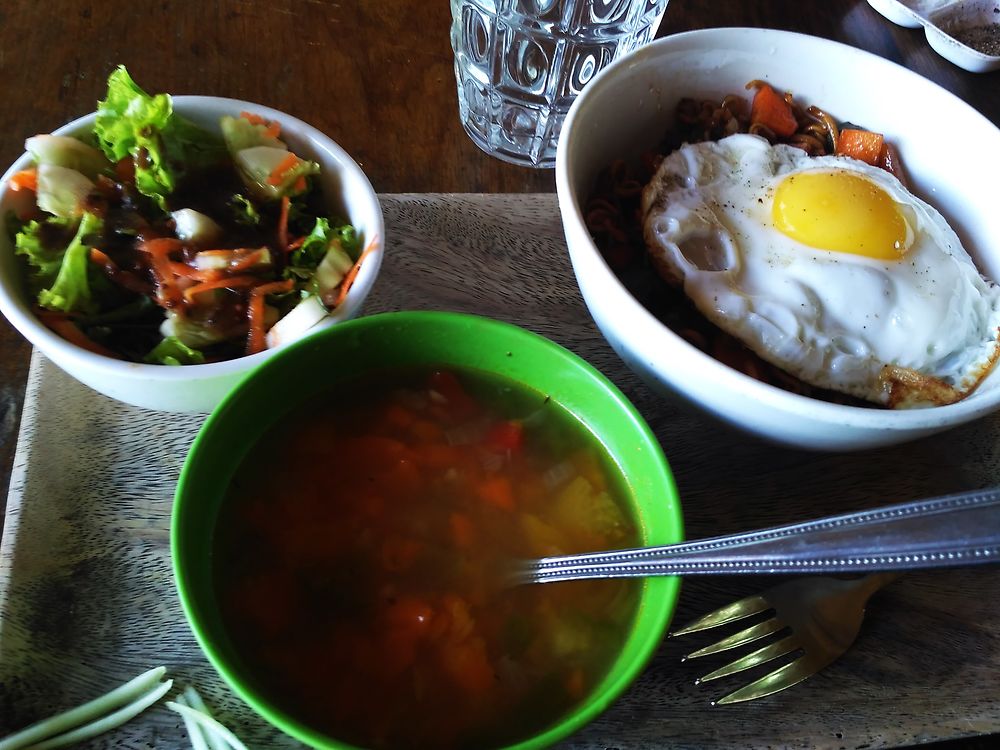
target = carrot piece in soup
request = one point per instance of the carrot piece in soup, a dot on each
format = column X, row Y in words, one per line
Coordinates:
column 505, row 436
column 427, row 431
column 770, row 109
column 399, row 553
column 446, row 384
column 863, row 145
column 461, row 530
column 438, row 456
column 371, row 454
column 410, row 613
column 398, row 416
column 497, row 491
column 468, row 664
column 576, row 683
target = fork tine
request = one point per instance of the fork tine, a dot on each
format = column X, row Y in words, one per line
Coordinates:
column 753, row 633
column 780, row 648
column 784, row 677
column 735, row 611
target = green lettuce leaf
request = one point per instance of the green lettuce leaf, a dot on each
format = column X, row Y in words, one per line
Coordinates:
column 308, row 255
column 163, row 144
column 173, row 351
column 71, row 292
column 44, row 257
column 244, row 211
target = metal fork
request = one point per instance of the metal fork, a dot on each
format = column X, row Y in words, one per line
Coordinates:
column 823, row 614
column 823, row 617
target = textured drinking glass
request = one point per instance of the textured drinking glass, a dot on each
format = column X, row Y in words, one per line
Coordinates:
column 520, row 63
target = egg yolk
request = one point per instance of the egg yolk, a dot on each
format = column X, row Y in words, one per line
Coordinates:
column 840, row 211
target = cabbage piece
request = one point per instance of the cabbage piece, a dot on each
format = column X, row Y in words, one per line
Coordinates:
column 172, row 351
column 62, row 191
column 240, row 133
column 299, row 321
column 194, row 226
column 269, row 173
column 192, row 331
column 71, row 290
column 163, row 145
column 64, row 151
column 331, row 270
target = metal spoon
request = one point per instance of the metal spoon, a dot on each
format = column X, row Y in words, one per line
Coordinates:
column 940, row 532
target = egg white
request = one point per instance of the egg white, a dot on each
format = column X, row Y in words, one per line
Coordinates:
column 834, row 320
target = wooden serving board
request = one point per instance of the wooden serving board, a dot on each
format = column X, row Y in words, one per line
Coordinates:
column 86, row 591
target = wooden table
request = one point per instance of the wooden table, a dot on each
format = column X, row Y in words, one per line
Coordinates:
column 377, row 76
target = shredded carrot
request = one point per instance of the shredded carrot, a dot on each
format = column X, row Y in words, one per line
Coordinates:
column 101, row 258
column 246, row 258
column 272, row 129
column 190, row 272
column 497, row 491
column 255, row 312
column 66, row 328
column 159, row 250
column 296, row 244
column 283, row 223
column 467, row 664
column 254, row 119
column 278, row 173
column 227, row 282
column 345, row 285
column 255, row 333
column 26, row 179
column 300, row 184
column 274, row 287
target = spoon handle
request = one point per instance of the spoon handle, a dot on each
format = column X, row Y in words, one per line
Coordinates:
column 939, row 532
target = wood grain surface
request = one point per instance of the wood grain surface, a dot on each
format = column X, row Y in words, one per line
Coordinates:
column 377, row 76
column 86, row 592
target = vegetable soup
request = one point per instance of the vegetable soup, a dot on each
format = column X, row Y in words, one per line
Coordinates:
column 358, row 549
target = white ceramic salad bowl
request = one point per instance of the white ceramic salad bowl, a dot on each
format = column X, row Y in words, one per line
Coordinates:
column 196, row 387
column 627, row 109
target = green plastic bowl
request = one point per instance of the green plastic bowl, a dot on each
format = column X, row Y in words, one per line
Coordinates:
column 419, row 338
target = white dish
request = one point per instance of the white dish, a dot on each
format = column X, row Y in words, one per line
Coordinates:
column 628, row 107
column 943, row 20
column 196, row 388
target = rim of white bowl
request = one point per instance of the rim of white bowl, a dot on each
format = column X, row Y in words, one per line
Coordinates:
column 722, row 375
column 17, row 310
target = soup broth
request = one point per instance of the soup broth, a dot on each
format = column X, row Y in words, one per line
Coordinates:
column 357, row 555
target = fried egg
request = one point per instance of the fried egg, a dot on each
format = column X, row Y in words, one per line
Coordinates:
column 824, row 266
